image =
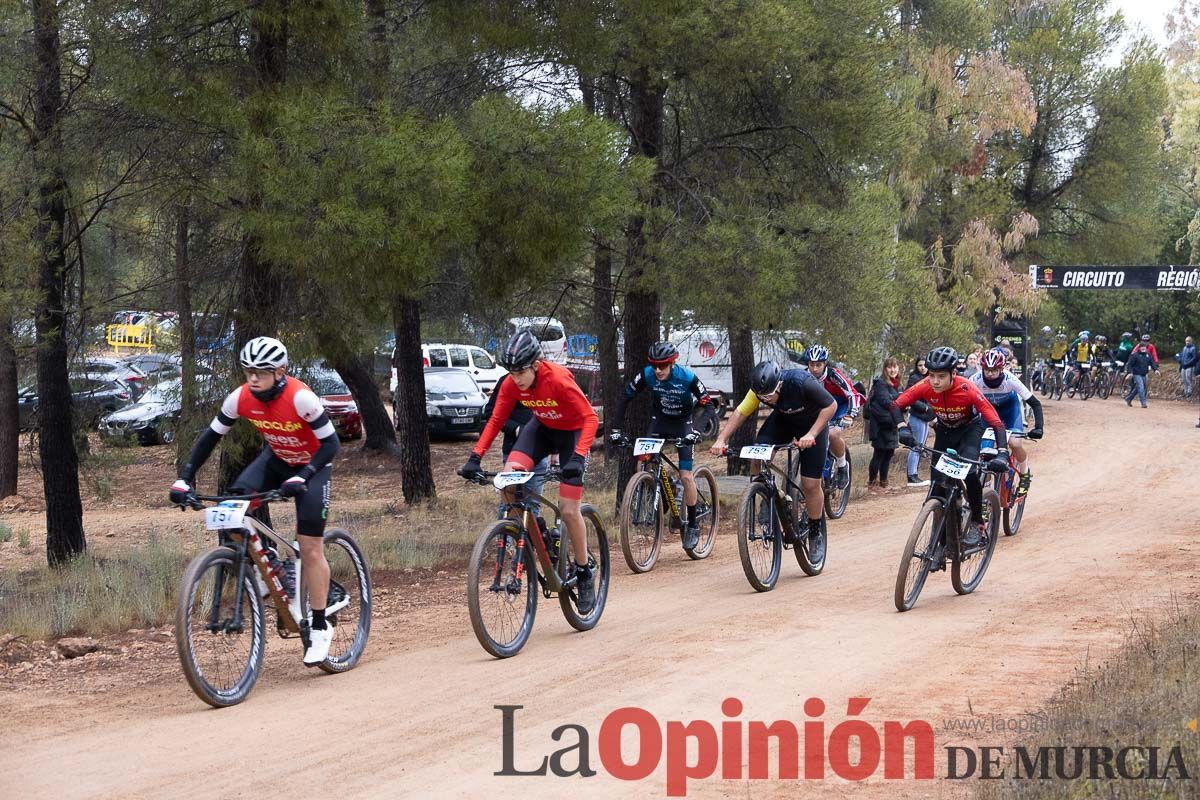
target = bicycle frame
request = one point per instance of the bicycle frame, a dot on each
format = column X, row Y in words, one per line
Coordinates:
column 250, row 550
column 527, row 521
column 950, row 492
column 662, row 478
column 793, row 459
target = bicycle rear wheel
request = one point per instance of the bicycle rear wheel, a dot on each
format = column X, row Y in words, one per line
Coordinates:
column 1059, row 383
column 220, row 660
column 760, row 538
column 600, row 562
column 502, row 603
column 1014, row 509
column 916, row 559
column 836, row 500
column 349, row 582
column 1086, row 388
column 643, row 519
column 967, row 573
column 707, row 513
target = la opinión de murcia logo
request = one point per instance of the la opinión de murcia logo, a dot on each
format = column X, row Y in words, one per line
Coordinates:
column 853, row 750
column 723, row 748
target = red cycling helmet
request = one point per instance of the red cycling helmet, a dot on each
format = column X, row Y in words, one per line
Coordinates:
column 993, row 359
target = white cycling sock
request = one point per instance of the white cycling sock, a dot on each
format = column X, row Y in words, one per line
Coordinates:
column 841, row 460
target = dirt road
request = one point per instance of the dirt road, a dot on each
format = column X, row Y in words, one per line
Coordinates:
column 1108, row 534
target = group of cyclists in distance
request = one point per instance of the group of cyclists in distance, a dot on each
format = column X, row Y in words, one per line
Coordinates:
column 809, row 405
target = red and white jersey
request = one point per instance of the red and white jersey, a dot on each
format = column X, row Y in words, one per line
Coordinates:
column 285, row 422
column 842, row 388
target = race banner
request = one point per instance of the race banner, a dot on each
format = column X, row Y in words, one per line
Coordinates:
column 1093, row 276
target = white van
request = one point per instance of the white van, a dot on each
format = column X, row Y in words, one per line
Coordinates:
column 705, row 350
column 550, row 333
column 475, row 360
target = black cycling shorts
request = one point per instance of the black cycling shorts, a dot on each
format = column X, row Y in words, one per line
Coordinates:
column 964, row 439
column 268, row 472
column 783, row 429
column 536, row 441
column 675, row 428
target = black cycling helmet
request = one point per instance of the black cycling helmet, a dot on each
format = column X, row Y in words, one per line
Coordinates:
column 765, row 377
column 663, row 353
column 941, row 359
column 521, row 352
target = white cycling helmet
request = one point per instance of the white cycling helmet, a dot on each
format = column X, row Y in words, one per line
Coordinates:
column 263, row 352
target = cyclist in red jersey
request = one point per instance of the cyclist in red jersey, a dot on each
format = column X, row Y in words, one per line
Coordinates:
column 849, row 404
column 962, row 413
column 564, row 422
column 301, row 444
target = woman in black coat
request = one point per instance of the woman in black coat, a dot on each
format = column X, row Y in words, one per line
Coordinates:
column 884, row 433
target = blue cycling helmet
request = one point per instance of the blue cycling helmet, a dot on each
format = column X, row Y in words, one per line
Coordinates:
column 818, row 352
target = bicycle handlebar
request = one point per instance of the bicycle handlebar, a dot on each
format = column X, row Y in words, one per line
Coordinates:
column 197, row 501
column 682, row 441
column 483, row 477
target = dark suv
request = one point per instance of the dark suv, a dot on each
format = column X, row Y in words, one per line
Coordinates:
column 453, row 401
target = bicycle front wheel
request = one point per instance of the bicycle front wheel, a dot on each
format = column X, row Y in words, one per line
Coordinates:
column 350, row 594
column 966, row 573
column 598, row 559
column 642, row 521
column 760, row 539
column 917, row 558
column 707, row 513
column 501, row 593
column 836, row 500
column 219, row 639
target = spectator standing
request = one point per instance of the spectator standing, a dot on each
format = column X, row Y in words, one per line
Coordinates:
column 884, row 432
column 1187, row 365
column 972, row 367
column 1140, row 364
column 919, row 425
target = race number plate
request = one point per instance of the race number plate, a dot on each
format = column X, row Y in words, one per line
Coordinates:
column 758, row 452
column 226, row 515
column 644, row 447
column 506, row 479
column 953, row 467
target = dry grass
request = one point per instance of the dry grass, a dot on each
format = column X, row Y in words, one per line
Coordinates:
column 1147, row 695
column 93, row 595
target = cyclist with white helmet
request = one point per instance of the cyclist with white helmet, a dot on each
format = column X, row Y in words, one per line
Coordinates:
column 1006, row 393
column 849, row 404
column 1080, row 354
column 297, row 460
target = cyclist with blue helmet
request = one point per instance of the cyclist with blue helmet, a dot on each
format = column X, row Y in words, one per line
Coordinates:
column 849, row 405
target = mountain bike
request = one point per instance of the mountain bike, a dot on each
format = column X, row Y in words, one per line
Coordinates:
column 1005, row 484
column 1080, row 381
column 653, row 503
column 936, row 535
column 1037, row 376
column 836, row 498
column 220, row 616
column 773, row 517
column 1105, row 380
column 1055, row 381
column 514, row 558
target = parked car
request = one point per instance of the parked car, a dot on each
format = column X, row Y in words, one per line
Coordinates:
column 115, row 368
column 483, row 367
column 152, row 419
column 156, row 366
column 92, row 397
column 453, row 401
column 338, row 402
column 549, row 331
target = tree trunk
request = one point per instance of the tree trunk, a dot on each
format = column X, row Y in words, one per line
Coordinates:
column 741, row 356
column 360, row 380
column 641, row 296
column 9, row 429
column 416, row 470
column 260, row 286
column 187, row 333
column 605, row 326
column 56, row 441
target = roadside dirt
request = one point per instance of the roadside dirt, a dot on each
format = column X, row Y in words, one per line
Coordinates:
column 1108, row 536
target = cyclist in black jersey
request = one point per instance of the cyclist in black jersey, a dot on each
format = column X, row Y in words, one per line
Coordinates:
column 801, row 409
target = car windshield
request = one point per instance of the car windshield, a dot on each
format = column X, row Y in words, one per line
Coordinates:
column 449, row 383
column 86, row 385
column 547, row 333
column 327, row 385
column 166, row 393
